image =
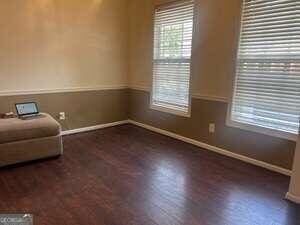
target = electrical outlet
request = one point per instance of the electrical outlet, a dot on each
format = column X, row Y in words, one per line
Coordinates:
column 62, row 115
column 212, row 128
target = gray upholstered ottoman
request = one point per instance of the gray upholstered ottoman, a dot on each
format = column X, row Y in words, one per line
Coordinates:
column 29, row 139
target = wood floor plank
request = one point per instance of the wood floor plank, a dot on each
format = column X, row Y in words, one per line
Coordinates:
column 126, row 175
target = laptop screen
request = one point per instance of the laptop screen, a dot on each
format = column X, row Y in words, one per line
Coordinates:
column 28, row 108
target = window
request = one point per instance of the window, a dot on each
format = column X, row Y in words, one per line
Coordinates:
column 266, row 94
column 173, row 31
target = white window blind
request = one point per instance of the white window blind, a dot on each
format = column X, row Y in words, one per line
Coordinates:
column 173, row 30
column 267, row 84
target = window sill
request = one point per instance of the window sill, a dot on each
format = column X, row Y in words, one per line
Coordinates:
column 262, row 130
column 170, row 111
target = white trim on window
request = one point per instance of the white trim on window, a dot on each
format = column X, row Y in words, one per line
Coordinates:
column 170, row 111
column 261, row 130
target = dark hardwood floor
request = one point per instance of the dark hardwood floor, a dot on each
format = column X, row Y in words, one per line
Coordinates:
column 127, row 175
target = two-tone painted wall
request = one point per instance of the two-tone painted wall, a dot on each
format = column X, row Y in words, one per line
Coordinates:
column 69, row 56
column 214, row 49
column 80, row 57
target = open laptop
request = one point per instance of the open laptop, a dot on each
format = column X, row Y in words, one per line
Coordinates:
column 27, row 109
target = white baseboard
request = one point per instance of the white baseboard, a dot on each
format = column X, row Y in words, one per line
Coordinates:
column 292, row 198
column 97, row 127
column 215, row 149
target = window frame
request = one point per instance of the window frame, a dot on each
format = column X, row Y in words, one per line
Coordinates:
column 241, row 125
column 161, row 108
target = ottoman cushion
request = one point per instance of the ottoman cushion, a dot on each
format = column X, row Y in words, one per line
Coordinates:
column 16, row 129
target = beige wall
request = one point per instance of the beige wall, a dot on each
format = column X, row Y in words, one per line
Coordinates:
column 214, row 49
column 58, row 44
column 264, row 148
column 83, row 109
column 214, row 46
column 61, row 44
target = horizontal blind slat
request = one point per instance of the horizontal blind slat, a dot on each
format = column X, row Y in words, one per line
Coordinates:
column 278, row 11
column 269, row 4
column 286, row 16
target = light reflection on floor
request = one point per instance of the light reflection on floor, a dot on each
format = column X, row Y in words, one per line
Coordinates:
column 253, row 208
column 168, row 182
